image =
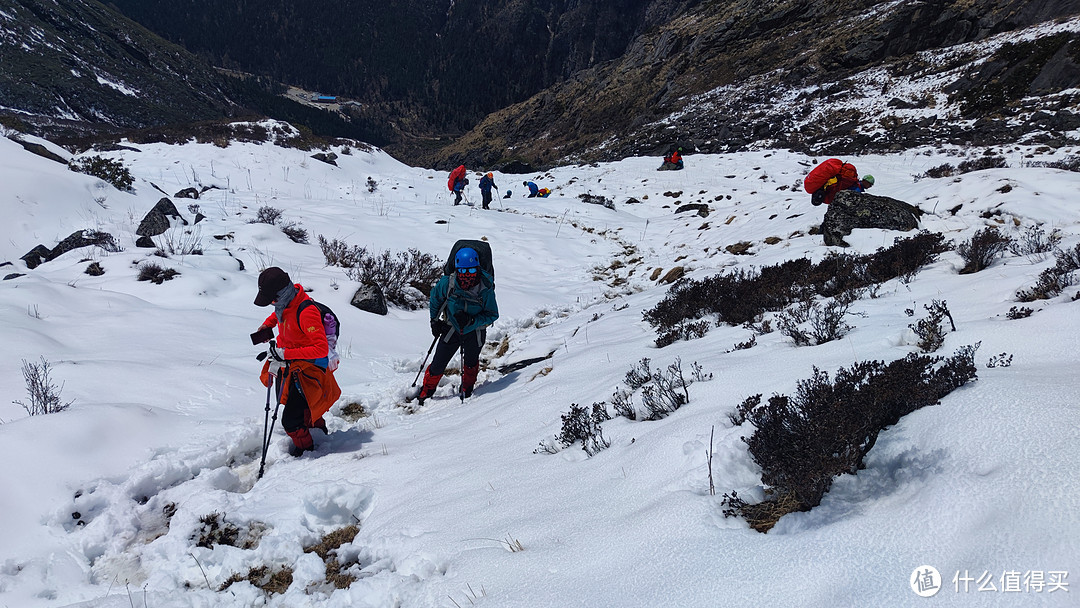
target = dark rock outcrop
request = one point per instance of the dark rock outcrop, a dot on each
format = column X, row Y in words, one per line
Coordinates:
column 850, row 210
column 36, row 256
column 328, row 158
column 701, row 208
column 187, row 193
column 156, row 221
column 40, row 150
column 369, row 298
column 78, row 239
column 596, row 199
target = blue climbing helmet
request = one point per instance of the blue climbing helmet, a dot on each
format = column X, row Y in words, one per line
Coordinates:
column 466, row 258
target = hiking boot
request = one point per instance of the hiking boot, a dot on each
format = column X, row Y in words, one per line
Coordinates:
column 295, row 451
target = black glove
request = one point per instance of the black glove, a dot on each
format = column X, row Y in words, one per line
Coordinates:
column 439, row 327
column 463, row 319
column 276, row 354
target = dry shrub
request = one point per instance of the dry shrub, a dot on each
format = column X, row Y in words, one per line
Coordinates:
column 804, row 441
column 327, row 549
column 270, row 581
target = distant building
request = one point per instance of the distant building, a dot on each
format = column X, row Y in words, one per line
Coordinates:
column 324, row 99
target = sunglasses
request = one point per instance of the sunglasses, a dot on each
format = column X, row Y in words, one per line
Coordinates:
column 467, row 270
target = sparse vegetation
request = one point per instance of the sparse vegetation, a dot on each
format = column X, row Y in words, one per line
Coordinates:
column 742, row 296
column 156, row 273
column 112, row 171
column 214, row 530
column 1035, row 243
column 982, row 249
column 43, row 394
column 271, row 581
column 328, row 549
column 1053, row 281
column 929, row 330
column 804, row 441
column 404, row 277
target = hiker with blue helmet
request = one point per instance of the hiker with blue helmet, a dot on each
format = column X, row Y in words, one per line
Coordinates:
column 466, row 299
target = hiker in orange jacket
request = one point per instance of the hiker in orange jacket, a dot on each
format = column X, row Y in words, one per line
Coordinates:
column 298, row 359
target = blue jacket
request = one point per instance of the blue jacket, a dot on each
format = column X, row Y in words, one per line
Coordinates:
column 479, row 303
column 486, row 184
column 533, row 188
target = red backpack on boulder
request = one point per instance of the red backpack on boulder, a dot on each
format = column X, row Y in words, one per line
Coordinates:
column 828, row 178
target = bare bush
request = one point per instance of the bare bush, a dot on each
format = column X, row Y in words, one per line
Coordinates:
column 826, row 323
column 982, row 249
column 266, row 215
column 583, row 424
column 1053, row 281
column 156, row 273
column 42, row 392
column 1035, row 243
column 826, row 429
column 931, row 333
column 295, row 232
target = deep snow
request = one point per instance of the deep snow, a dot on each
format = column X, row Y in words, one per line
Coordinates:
column 168, row 410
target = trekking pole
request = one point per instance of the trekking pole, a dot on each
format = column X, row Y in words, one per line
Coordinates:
column 430, row 348
column 461, row 385
column 268, row 428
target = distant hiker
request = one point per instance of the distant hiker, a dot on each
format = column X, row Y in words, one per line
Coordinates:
column 864, row 184
column 828, row 178
column 298, row 359
column 534, row 190
column 466, row 297
column 457, row 182
column 673, row 161
column 486, row 184
column 507, row 195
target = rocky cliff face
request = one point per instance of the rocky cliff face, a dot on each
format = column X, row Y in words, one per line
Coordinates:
column 553, row 81
column 831, row 76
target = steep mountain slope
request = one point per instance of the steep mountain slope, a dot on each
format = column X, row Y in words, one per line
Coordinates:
column 431, row 67
column 729, row 75
column 78, row 61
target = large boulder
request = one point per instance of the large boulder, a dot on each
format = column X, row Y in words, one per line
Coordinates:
column 156, row 221
column 369, row 298
column 85, row 238
column 850, row 210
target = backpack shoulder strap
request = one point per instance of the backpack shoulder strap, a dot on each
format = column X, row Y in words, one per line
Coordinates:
column 301, row 307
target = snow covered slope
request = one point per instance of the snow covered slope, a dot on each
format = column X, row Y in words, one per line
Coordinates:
column 106, row 503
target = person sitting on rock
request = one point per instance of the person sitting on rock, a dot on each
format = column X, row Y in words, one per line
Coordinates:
column 673, row 161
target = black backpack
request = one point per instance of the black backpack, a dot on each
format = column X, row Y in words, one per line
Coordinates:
column 483, row 251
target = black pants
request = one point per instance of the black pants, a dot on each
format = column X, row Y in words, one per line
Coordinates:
column 487, row 198
column 457, row 197
column 470, row 345
column 294, row 416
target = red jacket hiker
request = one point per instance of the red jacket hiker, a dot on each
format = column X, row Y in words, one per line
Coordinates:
column 305, row 388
